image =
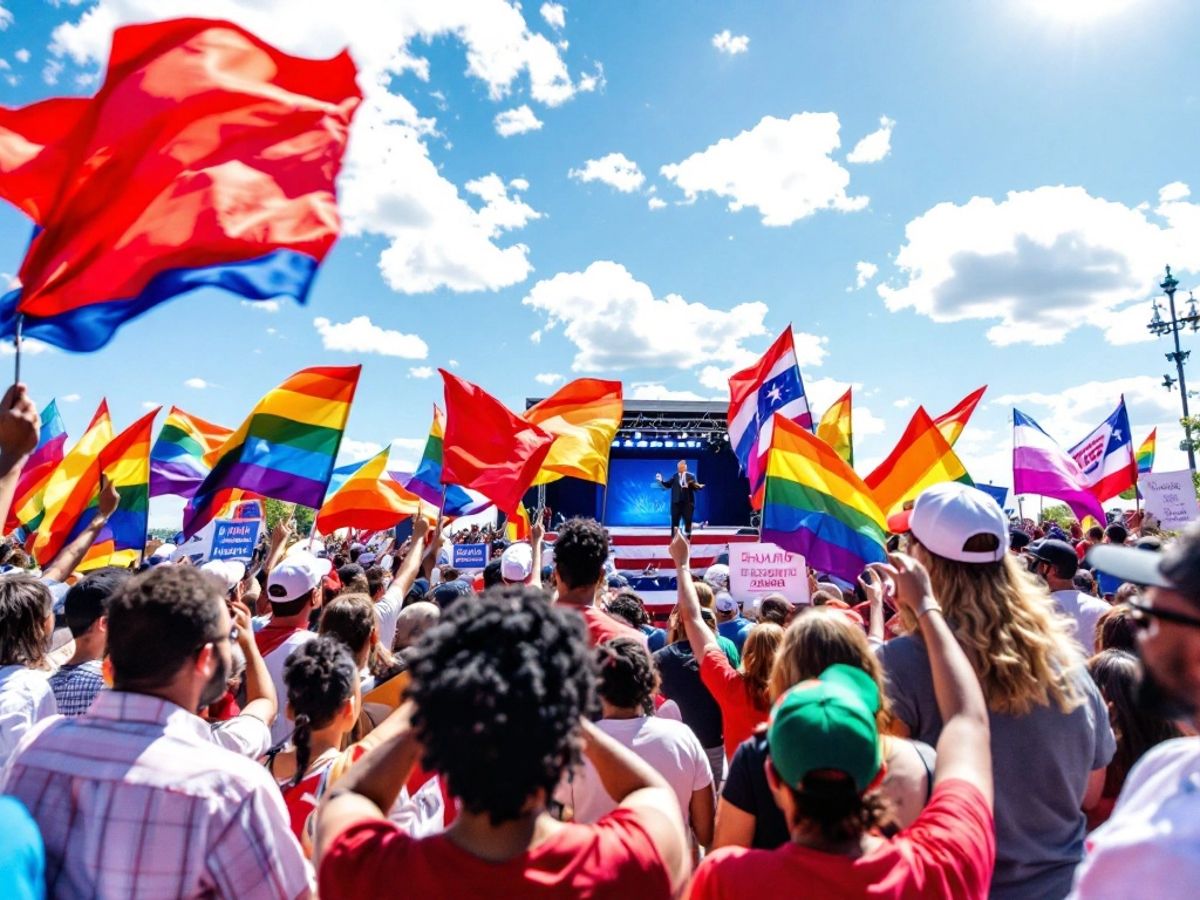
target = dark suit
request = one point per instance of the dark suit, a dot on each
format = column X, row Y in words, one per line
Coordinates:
column 683, row 500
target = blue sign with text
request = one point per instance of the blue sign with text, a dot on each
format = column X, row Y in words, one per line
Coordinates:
column 469, row 557
column 234, row 539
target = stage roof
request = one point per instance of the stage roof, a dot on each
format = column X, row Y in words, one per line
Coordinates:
column 699, row 416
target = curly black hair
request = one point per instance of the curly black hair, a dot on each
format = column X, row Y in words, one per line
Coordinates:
column 319, row 676
column 499, row 687
column 626, row 675
column 580, row 552
column 628, row 607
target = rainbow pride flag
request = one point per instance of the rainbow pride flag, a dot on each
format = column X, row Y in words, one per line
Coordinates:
column 814, row 504
column 1145, row 453
column 371, row 499
column 286, row 447
column 836, row 429
column 184, row 453
column 921, row 458
column 426, row 481
column 952, row 423
column 70, row 487
column 126, row 463
column 27, row 508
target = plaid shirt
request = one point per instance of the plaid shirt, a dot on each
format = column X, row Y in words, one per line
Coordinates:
column 75, row 687
column 134, row 800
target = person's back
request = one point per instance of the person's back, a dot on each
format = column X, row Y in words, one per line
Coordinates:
column 679, row 671
column 498, row 691
column 133, row 798
column 26, row 622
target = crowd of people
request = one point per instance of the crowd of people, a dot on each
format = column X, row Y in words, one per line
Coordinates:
column 986, row 713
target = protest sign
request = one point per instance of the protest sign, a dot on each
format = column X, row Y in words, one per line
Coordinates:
column 1170, row 497
column 234, row 539
column 758, row 569
column 470, row 557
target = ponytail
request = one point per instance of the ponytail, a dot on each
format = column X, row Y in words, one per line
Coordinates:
column 302, row 741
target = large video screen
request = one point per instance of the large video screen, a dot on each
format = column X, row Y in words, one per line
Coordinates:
column 635, row 498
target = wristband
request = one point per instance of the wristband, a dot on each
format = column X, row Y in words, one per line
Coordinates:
column 929, row 609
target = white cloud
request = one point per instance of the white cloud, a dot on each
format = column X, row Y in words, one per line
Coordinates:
column 29, row 347
column 518, row 120
column 555, row 15
column 875, row 146
column 420, row 372
column 353, row 450
column 781, row 167
column 614, row 169
column 150, row 404
column 22, row 55
column 810, row 352
column 903, row 403
column 453, row 363
column 1043, row 262
column 730, row 43
column 519, row 184
column 656, row 203
column 436, row 237
column 70, row 398
column 267, row 306
column 616, row 322
column 822, row 392
column 361, row 335
column 6, row 17
column 52, row 71
column 197, row 384
column 863, row 273
column 1176, row 190
column 654, row 390
column 549, row 378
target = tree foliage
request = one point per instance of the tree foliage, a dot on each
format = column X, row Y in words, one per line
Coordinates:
column 278, row 509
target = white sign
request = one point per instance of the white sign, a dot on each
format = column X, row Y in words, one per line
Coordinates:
column 759, row 569
column 1170, row 497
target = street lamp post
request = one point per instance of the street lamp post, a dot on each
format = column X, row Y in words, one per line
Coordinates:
column 1173, row 326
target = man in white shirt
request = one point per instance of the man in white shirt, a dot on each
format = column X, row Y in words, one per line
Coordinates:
column 132, row 798
column 1150, row 847
column 1056, row 563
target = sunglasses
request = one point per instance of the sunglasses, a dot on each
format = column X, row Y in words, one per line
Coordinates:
column 1142, row 615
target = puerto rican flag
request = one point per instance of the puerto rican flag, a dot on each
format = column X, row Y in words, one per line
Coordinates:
column 772, row 385
column 1105, row 456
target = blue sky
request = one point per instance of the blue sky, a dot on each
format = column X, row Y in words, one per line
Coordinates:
column 1027, row 177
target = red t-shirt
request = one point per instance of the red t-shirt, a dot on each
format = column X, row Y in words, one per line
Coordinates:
column 949, row 851
column 740, row 715
column 614, row 858
column 602, row 627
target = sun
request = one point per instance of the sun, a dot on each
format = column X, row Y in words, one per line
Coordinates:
column 1081, row 10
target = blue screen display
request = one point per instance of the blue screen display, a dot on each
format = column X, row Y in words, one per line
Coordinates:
column 635, row 498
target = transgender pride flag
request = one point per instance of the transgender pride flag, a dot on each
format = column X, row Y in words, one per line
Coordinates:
column 1040, row 466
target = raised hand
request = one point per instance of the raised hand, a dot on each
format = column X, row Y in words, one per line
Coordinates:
column 680, row 550
column 909, row 581
column 110, row 499
column 19, row 423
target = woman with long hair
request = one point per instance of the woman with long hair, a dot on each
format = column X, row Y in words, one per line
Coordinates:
column 26, row 623
column 1050, row 736
column 742, row 693
column 818, row 638
column 352, row 619
column 1137, row 729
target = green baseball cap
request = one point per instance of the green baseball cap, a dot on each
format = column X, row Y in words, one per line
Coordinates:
column 827, row 723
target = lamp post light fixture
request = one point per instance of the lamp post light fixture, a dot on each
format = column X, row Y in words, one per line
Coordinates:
column 1172, row 326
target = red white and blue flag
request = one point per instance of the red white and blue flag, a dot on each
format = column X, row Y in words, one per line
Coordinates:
column 772, row 385
column 207, row 159
column 1105, row 457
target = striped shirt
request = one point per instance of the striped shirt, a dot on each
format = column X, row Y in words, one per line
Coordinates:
column 134, row 800
column 75, row 687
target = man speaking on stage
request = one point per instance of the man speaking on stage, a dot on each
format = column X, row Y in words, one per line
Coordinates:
column 683, row 489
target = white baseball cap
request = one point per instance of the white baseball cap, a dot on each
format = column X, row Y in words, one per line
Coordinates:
column 295, row 576
column 717, row 577
column 947, row 515
column 725, row 603
column 228, row 571
column 516, row 562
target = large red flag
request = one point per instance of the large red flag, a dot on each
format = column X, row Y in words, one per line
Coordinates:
column 207, row 159
column 487, row 447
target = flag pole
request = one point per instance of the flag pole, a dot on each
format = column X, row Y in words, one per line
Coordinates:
column 17, row 348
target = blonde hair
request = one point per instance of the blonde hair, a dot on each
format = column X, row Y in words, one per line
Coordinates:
column 1004, row 621
column 818, row 638
column 758, row 660
column 704, row 593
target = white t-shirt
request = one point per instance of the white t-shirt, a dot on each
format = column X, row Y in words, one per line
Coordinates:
column 1084, row 610
column 275, row 659
column 25, row 699
column 1150, row 847
column 669, row 747
column 245, row 735
column 388, row 611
